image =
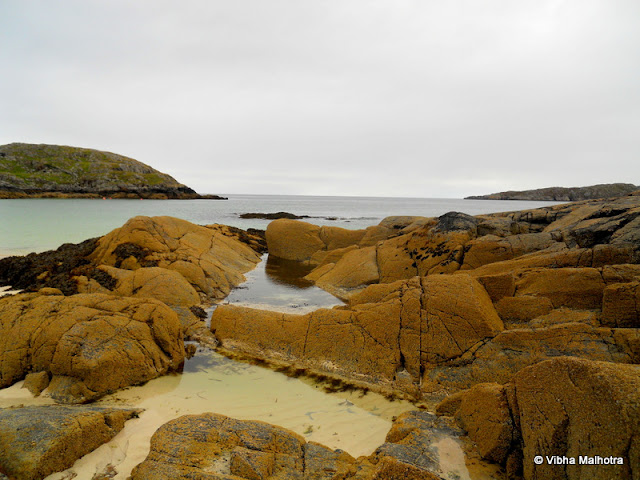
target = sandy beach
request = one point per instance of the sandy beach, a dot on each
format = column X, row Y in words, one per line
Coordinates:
column 350, row 421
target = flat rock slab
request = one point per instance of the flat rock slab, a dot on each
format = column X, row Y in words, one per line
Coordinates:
column 38, row 441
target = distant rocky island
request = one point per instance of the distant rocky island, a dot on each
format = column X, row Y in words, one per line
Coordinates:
column 563, row 194
column 54, row 171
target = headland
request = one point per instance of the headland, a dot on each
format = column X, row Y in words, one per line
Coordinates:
column 54, row 171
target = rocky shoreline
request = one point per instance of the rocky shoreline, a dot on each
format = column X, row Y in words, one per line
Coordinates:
column 522, row 327
column 563, row 194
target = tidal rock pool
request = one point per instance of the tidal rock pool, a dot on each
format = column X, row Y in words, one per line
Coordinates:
column 355, row 421
column 352, row 421
column 280, row 285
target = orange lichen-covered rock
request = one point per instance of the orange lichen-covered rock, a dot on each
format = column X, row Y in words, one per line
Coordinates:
column 36, row 441
column 498, row 359
column 491, row 249
column 574, row 407
column 386, row 328
column 293, row 240
column 565, row 287
column 209, row 260
column 214, row 446
column 523, row 308
column 499, row 285
column 208, row 445
column 581, row 417
column 621, row 305
column 91, row 344
column 165, row 285
column 354, row 270
column 483, row 412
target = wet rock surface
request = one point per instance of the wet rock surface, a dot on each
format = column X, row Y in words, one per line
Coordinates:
column 54, row 268
column 38, row 441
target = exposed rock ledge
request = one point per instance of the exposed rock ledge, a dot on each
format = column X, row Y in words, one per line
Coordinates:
column 438, row 305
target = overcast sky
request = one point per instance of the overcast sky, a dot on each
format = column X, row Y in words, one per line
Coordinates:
column 333, row 97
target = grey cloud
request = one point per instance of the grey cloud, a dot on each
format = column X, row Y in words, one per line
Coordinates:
column 399, row 98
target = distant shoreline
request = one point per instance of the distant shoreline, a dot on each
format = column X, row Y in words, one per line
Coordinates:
column 563, row 194
column 12, row 195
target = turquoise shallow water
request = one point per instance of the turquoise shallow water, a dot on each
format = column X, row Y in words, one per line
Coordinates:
column 35, row 225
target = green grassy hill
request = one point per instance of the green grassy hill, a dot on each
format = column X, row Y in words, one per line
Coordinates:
column 28, row 170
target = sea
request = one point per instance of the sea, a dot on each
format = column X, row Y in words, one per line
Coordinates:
column 38, row 224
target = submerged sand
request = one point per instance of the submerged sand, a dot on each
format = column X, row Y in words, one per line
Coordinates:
column 350, row 421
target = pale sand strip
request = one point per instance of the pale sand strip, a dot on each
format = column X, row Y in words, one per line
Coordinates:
column 237, row 390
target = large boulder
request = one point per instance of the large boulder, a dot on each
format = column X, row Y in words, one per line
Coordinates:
column 212, row 446
column 577, row 418
column 91, row 344
column 387, row 331
column 166, row 285
column 483, row 412
column 310, row 244
column 293, row 240
column 565, row 287
column 215, row 446
column 210, row 260
column 38, row 441
column 459, row 314
column 578, row 408
column 355, row 270
column 491, row 248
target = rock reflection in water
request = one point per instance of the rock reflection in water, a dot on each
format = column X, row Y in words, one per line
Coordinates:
column 279, row 285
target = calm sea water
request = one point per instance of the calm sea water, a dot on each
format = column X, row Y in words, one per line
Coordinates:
column 35, row 225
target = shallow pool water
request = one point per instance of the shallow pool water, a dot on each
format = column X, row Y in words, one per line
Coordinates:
column 352, row 421
column 279, row 285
